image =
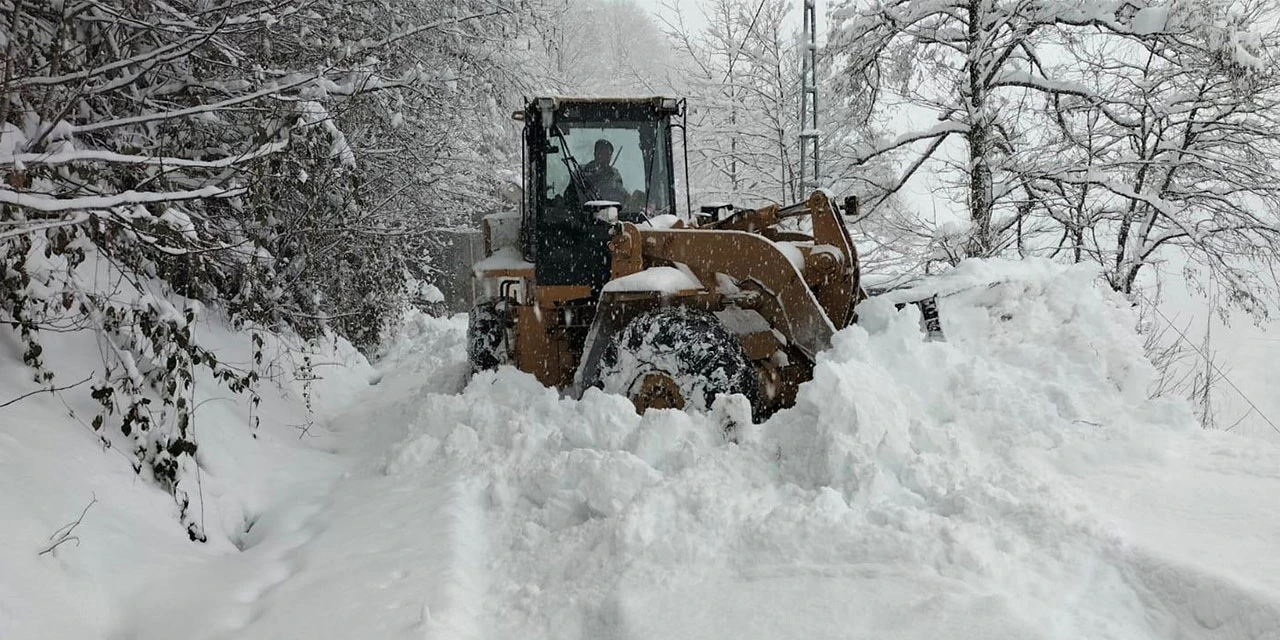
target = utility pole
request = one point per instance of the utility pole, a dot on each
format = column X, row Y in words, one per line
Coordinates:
column 809, row 174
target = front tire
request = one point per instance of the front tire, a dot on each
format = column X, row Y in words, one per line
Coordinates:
column 677, row 358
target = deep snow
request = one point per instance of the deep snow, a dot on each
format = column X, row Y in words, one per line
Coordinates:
column 1014, row 481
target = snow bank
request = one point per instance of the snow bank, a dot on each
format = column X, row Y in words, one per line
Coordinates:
column 351, row 553
column 52, row 465
column 917, row 490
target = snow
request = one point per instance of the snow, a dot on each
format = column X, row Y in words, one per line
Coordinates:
column 743, row 321
column 424, row 291
column 504, row 258
column 1014, row 481
column 1150, row 20
column 44, row 202
column 828, row 250
column 793, row 254
column 661, row 279
column 130, row 539
column 1021, row 78
column 66, row 155
column 180, row 222
column 314, row 113
column 726, row 284
column 945, row 128
column 11, row 139
column 664, row 221
column 504, row 229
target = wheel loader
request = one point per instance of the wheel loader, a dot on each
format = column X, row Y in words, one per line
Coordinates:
column 600, row 282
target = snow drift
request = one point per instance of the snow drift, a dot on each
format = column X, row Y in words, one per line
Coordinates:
column 918, row 489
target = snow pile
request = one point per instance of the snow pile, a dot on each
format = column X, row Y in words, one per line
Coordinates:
column 918, row 489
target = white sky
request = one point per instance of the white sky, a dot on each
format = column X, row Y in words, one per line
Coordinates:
column 691, row 9
column 694, row 18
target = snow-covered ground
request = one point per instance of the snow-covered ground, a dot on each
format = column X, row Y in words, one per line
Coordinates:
column 1014, row 481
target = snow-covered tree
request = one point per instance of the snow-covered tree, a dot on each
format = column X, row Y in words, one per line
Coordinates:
column 283, row 161
column 964, row 69
column 605, row 48
column 743, row 84
column 1118, row 129
column 1178, row 148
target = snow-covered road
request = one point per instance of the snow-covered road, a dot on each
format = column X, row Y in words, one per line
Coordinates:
column 1012, row 482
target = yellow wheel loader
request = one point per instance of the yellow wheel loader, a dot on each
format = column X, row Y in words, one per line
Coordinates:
column 599, row 283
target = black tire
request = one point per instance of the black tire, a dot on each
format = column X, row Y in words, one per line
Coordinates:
column 488, row 343
column 690, row 347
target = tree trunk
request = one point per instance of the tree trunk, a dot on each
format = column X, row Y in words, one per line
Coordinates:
column 979, row 139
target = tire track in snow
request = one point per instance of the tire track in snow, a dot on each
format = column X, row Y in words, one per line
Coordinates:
column 402, row 553
column 398, row 559
column 388, row 557
column 464, row 583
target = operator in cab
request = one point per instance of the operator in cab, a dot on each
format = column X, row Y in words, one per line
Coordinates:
column 602, row 176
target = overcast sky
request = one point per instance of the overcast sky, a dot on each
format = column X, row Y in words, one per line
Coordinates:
column 694, row 18
column 691, row 8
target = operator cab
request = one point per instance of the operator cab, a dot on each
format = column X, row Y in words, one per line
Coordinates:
column 587, row 160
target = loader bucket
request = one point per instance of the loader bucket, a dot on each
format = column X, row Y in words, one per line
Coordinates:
column 782, row 294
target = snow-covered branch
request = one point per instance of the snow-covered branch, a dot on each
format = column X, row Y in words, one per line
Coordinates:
column 48, row 203
column 940, row 130
column 88, row 156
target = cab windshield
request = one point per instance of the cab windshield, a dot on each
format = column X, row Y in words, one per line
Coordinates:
column 619, row 161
